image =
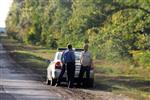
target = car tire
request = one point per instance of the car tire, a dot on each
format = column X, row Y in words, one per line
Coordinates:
column 48, row 82
column 53, row 82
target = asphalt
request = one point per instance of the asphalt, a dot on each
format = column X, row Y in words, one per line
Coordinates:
column 17, row 83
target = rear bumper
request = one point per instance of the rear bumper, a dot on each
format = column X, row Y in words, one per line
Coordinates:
column 55, row 74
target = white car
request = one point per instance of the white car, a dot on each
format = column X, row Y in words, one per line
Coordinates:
column 54, row 68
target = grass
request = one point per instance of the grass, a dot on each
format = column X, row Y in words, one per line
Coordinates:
column 123, row 78
column 122, row 68
column 33, row 57
column 132, row 86
column 120, row 78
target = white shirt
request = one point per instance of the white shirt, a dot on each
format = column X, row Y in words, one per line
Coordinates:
column 86, row 58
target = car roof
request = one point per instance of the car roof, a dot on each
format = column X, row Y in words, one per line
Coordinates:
column 75, row 49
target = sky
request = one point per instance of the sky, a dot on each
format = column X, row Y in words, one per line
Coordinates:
column 4, row 9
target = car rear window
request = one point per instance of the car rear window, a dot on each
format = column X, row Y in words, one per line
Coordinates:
column 59, row 56
column 77, row 56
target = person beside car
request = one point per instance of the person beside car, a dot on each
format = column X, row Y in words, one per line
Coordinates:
column 69, row 60
column 86, row 64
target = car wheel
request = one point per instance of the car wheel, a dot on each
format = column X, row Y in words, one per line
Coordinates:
column 53, row 82
column 48, row 82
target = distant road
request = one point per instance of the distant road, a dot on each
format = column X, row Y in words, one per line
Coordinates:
column 3, row 34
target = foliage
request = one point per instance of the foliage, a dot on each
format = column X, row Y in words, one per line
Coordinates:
column 142, row 58
column 112, row 27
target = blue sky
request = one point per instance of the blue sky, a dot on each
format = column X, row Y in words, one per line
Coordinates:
column 4, row 8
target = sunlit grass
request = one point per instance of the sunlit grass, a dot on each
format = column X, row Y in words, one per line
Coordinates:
column 121, row 68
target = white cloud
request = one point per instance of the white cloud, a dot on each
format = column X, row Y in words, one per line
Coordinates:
column 4, row 8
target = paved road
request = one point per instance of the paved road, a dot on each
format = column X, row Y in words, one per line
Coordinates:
column 18, row 84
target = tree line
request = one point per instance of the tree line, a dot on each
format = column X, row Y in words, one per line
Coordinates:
column 113, row 28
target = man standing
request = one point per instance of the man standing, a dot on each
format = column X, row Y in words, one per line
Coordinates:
column 69, row 60
column 86, row 63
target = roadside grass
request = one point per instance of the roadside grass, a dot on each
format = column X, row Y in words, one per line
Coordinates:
column 32, row 57
column 132, row 86
column 122, row 68
column 30, row 60
column 121, row 78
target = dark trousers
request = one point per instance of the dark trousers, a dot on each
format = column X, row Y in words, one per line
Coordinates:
column 70, row 73
column 84, row 69
column 61, row 74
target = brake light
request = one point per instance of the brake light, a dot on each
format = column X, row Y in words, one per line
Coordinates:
column 58, row 65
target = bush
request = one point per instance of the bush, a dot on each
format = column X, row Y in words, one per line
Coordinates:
column 142, row 58
column 145, row 59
